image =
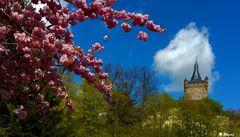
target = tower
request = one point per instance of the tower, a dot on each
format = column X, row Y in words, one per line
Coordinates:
column 196, row 88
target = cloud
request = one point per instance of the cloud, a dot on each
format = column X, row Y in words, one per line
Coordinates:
column 178, row 58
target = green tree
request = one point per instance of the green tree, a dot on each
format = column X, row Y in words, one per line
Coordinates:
column 201, row 118
column 160, row 116
column 122, row 116
column 234, row 122
column 88, row 118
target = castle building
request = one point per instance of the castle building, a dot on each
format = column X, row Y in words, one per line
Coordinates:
column 196, row 88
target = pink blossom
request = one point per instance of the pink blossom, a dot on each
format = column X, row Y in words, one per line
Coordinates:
column 26, row 49
column 38, row 32
column 39, row 72
column 37, row 87
column 5, row 95
column 80, row 15
column 2, row 48
column 121, row 14
column 97, row 47
column 45, row 104
column 142, row 36
column 41, row 97
column 27, row 56
column 110, row 2
column 65, row 60
column 105, row 37
column 153, row 27
column 112, row 23
column 3, row 31
column 97, row 5
column 22, row 114
column 70, row 105
column 103, row 75
column 51, row 83
column 139, row 19
column 63, row 95
column 22, row 38
column 17, row 17
column 126, row 27
column 26, row 89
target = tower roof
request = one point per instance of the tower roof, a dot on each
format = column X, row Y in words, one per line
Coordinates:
column 196, row 78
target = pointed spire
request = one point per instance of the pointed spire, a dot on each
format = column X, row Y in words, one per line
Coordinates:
column 196, row 63
column 206, row 78
column 196, row 76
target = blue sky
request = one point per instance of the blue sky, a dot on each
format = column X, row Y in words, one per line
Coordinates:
column 221, row 19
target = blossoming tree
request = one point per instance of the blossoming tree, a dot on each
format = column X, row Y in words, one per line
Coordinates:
column 30, row 48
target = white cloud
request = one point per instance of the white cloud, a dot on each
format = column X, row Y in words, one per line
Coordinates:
column 178, row 58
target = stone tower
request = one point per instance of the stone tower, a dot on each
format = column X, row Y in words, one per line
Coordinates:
column 196, row 88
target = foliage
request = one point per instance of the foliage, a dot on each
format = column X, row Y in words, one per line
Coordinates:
column 234, row 121
column 92, row 116
column 162, row 116
column 88, row 117
column 122, row 115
